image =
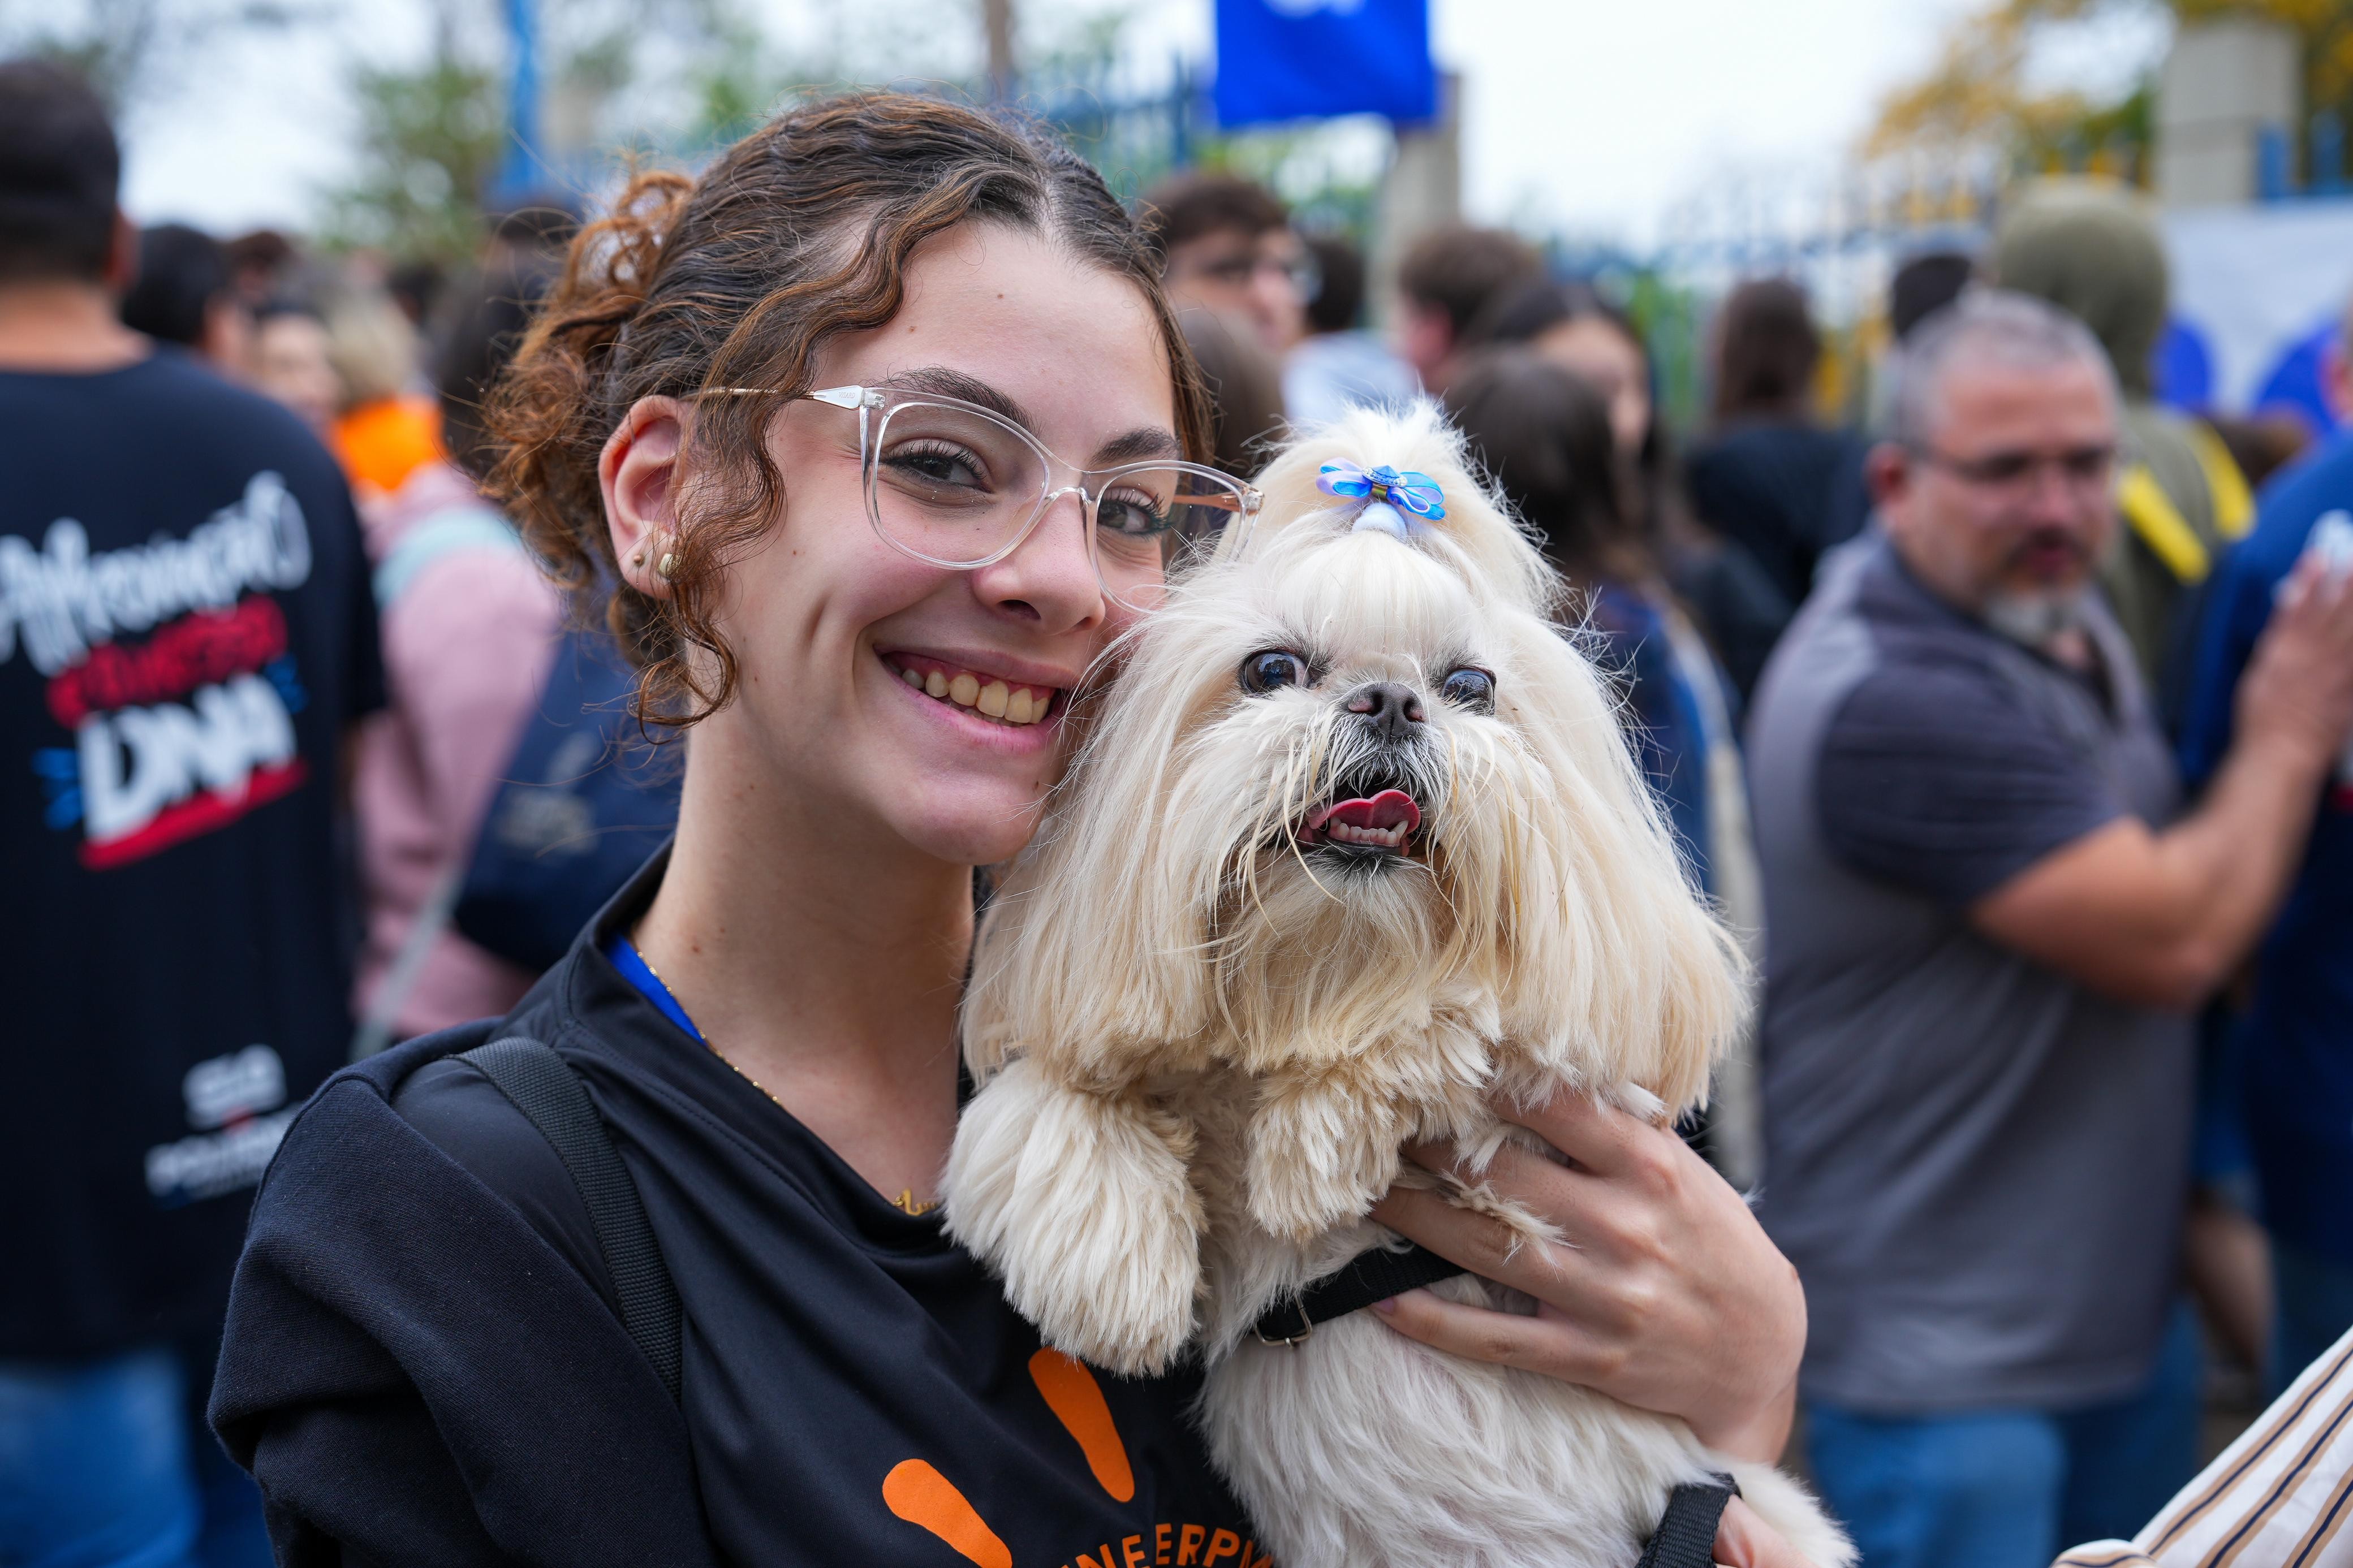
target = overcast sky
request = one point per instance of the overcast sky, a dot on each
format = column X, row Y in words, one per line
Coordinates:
column 1590, row 115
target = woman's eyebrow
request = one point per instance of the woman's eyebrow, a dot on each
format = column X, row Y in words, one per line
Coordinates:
column 939, row 380
column 1145, row 441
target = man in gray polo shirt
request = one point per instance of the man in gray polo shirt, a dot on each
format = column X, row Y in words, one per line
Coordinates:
column 1985, row 927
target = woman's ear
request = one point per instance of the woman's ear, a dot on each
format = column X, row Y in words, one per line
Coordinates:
column 639, row 473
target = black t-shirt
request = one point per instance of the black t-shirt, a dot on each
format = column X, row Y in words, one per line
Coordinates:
column 1785, row 492
column 424, row 1339
column 185, row 633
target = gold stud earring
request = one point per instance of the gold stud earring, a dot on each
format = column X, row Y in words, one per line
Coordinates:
column 639, row 559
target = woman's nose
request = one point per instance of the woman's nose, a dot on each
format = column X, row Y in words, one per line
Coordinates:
column 1050, row 575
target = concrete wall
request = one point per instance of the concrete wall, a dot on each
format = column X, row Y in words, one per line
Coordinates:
column 2224, row 84
column 1423, row 191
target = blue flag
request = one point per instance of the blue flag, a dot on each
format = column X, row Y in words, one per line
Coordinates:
column 1299, row 60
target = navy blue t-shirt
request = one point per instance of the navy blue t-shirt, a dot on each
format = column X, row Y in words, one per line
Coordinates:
column 1663, row 716
column 185, row 634
column 2298, row 1036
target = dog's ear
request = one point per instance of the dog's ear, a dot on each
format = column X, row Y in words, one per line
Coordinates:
column 1617, row 968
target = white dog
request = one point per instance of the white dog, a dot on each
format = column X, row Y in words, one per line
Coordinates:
column 1353, row 844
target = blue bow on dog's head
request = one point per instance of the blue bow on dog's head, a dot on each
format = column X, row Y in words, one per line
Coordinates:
column 1387, row 501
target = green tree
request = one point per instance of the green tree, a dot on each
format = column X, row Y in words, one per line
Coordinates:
column 431, row 137
column 430, row 141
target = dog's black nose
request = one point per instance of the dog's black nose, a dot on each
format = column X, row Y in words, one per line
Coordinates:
column 1391, row 710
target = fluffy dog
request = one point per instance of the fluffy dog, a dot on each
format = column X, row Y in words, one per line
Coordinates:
column 1353, row 843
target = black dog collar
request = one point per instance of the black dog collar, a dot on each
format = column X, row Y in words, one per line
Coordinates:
column 1686, row 1534
column 1367, row 1278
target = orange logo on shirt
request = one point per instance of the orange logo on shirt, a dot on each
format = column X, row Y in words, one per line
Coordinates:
column 915, row 1491
column 921, row 1495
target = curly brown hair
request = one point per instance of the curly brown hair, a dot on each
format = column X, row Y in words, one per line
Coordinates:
column 797, row 233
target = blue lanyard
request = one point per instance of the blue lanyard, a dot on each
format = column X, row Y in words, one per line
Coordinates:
column 639, row 974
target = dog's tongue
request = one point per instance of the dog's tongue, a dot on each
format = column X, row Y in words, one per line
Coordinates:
column 1386, row 809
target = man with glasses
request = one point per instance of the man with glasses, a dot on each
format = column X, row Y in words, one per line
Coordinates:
column 1985, row 926
column 1227, row 247
column 2095, row 251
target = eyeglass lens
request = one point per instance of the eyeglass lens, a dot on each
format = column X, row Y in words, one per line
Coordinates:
column 955, row 487
column 2079, row 465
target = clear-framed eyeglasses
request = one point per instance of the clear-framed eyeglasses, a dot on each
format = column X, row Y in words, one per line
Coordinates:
column 957, row 485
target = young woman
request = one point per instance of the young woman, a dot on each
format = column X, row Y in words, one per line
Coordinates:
column 1572, row 326
column 1765, row 476
column 872, row 431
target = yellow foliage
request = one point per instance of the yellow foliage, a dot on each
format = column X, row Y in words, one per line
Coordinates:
column 1975, row 94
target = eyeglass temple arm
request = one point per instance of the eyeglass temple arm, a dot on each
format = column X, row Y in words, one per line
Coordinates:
column 839, row 396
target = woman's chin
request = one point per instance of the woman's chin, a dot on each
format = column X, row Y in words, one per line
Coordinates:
column 972, row 825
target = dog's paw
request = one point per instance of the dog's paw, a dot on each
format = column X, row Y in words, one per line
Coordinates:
column 1524, row 1224
column 1317, row 1158
column 1638, row 1102
column 1084, row 1205
column 1788, row 1508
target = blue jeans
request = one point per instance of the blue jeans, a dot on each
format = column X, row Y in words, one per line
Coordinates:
column 102, row 1465
column 2010, row 1489
column 2313, row 1308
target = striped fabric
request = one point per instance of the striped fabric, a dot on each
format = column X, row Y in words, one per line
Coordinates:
column 2280, row 1497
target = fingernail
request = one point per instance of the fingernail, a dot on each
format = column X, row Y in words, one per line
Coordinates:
column 1386, row 1308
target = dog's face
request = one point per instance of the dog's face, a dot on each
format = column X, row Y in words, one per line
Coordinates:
column 1383, row 766
column 1346, row 779
column 1342, row 782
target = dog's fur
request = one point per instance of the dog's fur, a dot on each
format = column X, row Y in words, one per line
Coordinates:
column 1202, row 1045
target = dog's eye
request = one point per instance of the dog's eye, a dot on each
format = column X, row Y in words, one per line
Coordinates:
column 1470, row 687
column 1272, row 669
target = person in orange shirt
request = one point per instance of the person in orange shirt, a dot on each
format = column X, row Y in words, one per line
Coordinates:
column 388, row 428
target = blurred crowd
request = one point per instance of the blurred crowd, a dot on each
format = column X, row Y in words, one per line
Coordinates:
column 387, row 367
column 2007, row 721
column 1971, row 712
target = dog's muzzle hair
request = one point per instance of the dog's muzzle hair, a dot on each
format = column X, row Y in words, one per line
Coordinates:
column 1368, row 741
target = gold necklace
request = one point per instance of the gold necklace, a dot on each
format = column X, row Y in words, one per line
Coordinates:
column 906, row 1201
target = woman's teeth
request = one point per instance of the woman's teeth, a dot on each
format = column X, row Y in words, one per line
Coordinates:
column 1379, row 837
column 996, row 699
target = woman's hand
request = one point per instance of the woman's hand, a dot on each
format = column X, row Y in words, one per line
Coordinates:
column 1668, row 1295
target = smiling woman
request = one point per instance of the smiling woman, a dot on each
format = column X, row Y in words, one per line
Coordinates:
column 866, row 444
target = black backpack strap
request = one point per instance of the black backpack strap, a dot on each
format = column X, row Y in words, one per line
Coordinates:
column 1686, row 1534
column 552, row 1097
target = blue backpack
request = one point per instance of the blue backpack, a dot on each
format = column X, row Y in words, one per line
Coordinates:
column 582, row 804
